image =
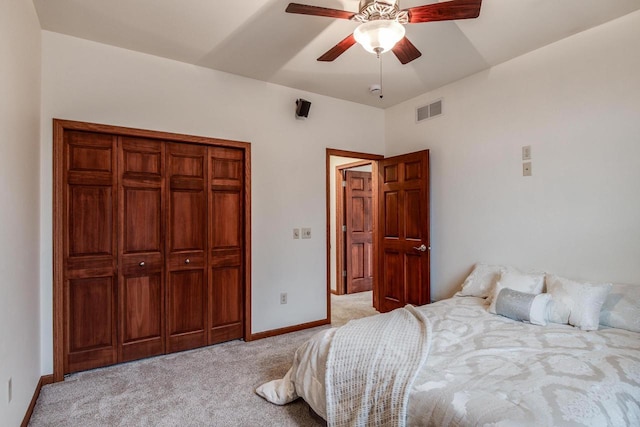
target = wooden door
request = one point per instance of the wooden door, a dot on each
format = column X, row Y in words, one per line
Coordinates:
column 403, row 232
column 358, row 231
column 141, row 248
column 89, row 250
column 226, row 244
column 186, row 246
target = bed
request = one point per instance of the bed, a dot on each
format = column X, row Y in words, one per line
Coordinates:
column 474, row 367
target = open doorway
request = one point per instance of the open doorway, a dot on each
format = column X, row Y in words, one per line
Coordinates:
column 401, row 238
column 350, row 204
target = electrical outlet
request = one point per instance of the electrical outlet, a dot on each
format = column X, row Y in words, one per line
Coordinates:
column 296, row 233
column 283, row 298
column 306, row 233
column 9, row 390
column 526, row 169
column 526, row 152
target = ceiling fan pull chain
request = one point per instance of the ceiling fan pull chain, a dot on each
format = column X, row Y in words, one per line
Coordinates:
column 381, row 91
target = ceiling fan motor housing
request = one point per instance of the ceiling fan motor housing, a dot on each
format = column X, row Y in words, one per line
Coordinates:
column 388, row 10
column 365, row 3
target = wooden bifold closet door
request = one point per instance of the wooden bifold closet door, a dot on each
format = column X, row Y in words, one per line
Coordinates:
column 153, row 245
column 187, row 263
column 140, row 248
column 226, row 186
column 89, row 250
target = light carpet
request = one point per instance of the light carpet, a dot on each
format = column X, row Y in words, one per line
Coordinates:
column 211, row 386
column 351, row 306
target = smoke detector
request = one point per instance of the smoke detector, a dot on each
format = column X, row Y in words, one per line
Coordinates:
column 375, row 89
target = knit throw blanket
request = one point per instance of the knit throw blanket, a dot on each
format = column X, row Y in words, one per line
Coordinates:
column 371, row 365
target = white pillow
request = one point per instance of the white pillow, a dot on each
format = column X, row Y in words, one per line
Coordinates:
column 481, row 280
column 521, row 306
column 621, row 309
column 576, row 303
column 527, row 283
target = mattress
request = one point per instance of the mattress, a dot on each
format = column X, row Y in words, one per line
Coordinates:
column 485, row 369
column 488, row 369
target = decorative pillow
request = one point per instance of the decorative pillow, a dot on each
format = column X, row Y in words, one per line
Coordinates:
column 527, row 283
column 576, row 303
column 481, row 280
column 522, row 306
column 621, row 309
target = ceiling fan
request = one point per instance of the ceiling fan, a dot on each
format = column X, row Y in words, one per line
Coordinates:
column 382, row 24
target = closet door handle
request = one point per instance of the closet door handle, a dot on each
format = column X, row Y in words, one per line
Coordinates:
column 187, row 261
column 141, row 264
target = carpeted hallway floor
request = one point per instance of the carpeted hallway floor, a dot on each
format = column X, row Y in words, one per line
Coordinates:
column 212, row 386
column 353, row 306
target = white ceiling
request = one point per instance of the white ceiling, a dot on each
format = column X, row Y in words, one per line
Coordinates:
column 257, row 39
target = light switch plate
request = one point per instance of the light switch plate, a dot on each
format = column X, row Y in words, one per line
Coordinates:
column 526, row 152
column 526, row 169
column 296, row 233
column 306, row 233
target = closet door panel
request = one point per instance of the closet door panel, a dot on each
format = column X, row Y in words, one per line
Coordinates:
column 186, row 247
column 91, row 322
column 226, row 297
column 226, row 277
column 225, row 219
column 144, row 164
column 89, row 250
column 142, row 225
column 188, row 213
column 141, row 313
column 90, row 221
column 141, row 248
column 187, row 311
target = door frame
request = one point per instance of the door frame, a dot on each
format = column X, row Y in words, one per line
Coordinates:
column 370, row 158
column 340, row 212
column 59, row 128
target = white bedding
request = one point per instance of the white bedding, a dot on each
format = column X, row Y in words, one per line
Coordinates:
column 371, row 365
column 485, row 369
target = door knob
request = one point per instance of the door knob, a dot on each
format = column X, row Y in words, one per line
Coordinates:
column 421, row 248
column 141, row 264
column 187, row 261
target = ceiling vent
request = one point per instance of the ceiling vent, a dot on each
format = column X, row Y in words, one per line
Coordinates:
column 428, row 111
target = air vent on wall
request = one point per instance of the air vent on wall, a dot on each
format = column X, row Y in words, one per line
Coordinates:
column 428, row 111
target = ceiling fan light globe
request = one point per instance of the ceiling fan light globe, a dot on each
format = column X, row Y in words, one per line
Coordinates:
column 379, row 36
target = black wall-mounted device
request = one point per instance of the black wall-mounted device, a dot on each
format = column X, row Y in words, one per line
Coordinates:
column 302, row 108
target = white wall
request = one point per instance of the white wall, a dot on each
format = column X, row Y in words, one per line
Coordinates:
column 92, row 82
column 19, row 183
column 577, row 103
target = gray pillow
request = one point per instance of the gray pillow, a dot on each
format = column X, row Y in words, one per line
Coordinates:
column 522, row 306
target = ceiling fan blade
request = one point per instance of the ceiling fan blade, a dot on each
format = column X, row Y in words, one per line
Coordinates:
column 338, row 49
column 448, row 10
column 305, row 9
column 405, row 51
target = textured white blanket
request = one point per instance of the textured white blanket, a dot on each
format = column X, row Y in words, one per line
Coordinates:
column 371, row 366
